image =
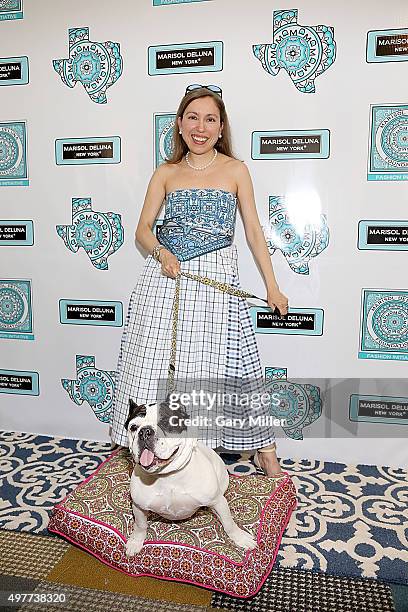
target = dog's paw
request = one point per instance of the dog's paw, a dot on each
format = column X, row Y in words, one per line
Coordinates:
column 243, row 539
column 134, row 544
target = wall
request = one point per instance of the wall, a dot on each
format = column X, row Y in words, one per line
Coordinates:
column 335, row 185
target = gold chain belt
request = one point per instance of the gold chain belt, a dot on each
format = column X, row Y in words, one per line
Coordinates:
column 224, row 287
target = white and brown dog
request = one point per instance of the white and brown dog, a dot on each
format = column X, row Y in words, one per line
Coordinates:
column 174, row 476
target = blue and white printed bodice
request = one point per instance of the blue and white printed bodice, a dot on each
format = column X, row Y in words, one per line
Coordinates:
column 197, row 221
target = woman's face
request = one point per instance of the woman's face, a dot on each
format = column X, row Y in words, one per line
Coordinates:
column 200, row 125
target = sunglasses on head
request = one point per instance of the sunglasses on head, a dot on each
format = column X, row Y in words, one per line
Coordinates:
column 213, row 88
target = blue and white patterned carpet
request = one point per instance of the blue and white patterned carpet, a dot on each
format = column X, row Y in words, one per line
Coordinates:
column 350, row 520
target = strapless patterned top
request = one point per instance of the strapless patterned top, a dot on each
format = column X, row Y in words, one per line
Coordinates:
column 197, row 221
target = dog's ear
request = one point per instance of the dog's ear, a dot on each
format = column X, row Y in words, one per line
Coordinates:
column 134, row 411
column 180, row 409
column 165, row 414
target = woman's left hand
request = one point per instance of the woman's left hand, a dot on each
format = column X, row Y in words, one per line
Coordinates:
column 276, row 299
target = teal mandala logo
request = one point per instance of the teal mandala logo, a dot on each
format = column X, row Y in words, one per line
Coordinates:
column 305, row 52
column 298, row 246
column 163, row 136
column 96, row 65
column 298, row 405
column 384, row 325
column 11, row 9
column 16, row 318
column 93, row 386
column 13, row 154
column 388, row 156
column 99, row 233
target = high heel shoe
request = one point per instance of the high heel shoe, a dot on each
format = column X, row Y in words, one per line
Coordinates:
column 258, row 465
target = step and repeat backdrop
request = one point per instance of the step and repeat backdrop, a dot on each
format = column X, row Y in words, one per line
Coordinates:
column 318, row 103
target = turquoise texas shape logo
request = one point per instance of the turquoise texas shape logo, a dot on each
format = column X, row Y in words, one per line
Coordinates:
column 305, row 52
column 96, row 65
column 99, row 233
column 298, row 244
column 93, row 386
column 298, row 405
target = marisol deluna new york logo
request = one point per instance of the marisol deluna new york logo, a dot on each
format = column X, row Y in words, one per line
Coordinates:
column 387, row 45
column 19, row 382
column 383, row 235
column 14, row 70
column 91, row 312
column 302, row 321
column 379, row 409
column 97, row 150
column 16, row 233
column 188, row 57
column 291, row 144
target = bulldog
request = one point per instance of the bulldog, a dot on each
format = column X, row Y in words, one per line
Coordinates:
column 174, row 476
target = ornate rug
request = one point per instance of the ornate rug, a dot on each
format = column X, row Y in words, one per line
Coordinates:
column 350, row 521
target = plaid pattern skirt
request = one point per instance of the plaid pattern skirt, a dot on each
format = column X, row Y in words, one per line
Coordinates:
column 215, row 342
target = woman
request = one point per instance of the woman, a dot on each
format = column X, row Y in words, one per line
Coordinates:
column 202, row 185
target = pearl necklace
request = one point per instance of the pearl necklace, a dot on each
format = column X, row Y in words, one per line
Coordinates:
column 201, row 167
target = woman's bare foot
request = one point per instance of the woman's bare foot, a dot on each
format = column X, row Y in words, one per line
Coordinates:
column 269, row 463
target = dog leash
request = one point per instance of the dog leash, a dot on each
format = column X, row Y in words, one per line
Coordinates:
column 224, row 287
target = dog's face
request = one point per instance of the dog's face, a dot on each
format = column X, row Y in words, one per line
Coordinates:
column 152, row 436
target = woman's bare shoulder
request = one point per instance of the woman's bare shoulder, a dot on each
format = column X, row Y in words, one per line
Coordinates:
column 164, row 174
column 170, row 171
column 165, row 170
column 232, row 163
column 236, row 167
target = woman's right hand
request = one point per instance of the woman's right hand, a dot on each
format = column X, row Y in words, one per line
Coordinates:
column 170, row 265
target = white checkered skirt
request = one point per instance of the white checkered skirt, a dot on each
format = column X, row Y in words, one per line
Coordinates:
column 215, row 340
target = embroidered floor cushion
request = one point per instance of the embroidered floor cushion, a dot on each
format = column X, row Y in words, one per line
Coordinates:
column 97, row 516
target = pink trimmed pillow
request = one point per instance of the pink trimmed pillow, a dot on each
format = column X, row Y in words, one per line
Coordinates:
column 97, row 516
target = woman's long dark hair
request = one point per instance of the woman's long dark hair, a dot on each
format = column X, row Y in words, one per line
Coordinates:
column 223, row 145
